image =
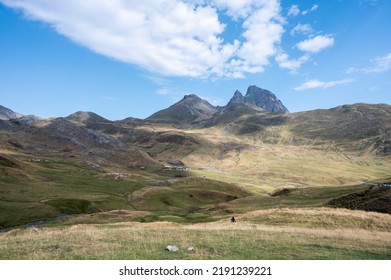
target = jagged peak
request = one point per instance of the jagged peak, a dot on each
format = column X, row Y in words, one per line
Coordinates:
column 238, row 95
column 255, row 90
column 238, row 98
column 264, row 99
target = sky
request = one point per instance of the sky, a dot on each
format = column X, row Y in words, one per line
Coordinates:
column 125, row 58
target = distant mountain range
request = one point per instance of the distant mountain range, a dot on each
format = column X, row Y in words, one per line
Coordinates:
column 134, row 142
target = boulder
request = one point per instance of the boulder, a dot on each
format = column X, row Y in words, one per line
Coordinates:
column 172, row 248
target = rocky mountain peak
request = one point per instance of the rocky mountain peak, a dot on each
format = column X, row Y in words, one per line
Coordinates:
column 191, row 109
column 264, row 99
column 192, row 100
column 191, row 97
column 238, row 98
column 85, row 117
column 7, row 114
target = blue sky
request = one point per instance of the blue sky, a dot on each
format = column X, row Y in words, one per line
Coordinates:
column 123, row 58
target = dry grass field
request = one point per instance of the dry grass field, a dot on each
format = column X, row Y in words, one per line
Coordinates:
column 267, row 234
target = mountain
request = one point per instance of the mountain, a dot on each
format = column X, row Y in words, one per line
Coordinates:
column 258, row 99
column 7, row 114
column 264, row 99
column 191, row 109
column 358, row 126
column 255, row 101
column 237, row 99
column 259, row 114
column 86, row 118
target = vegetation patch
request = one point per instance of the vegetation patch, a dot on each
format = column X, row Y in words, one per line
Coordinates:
column 377, row 199
column 284, row 191
column 70, row 206
column 6, row 162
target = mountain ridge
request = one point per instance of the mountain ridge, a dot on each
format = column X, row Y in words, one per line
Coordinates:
column 190, row 109
column 194, row 110
column 358, row 126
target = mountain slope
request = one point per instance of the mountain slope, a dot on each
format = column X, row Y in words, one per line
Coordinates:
column 7, row 114
column 191, row 109
column 86, row 118
column 357, row 126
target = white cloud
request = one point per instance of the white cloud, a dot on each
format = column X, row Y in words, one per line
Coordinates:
column 294, row 11
column 312, row 84
column 291, row 64
column 380, row 64
column 316, row 44
column 313, row 8
column 168, row 37
column 239, row 8
column 302, row 29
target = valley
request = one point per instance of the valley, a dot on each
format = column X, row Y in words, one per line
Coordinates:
column 300, row 185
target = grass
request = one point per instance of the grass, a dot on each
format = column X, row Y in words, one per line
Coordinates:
column 245, row 239
column 57, row 188
column 260, row 166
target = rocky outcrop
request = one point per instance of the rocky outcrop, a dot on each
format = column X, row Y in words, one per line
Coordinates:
column 265, row 100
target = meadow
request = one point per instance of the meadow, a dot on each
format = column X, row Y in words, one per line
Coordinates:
column 270, row 234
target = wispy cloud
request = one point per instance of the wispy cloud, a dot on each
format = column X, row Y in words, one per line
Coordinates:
column 313, row 8
column 294, row 11
column 371, row 2
column 167, row 88
column 316, row 44
column 302, row 29
column 379, row 64
column 313, row 84
column 168, row 37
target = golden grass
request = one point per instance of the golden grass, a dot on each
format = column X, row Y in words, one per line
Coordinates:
column 269, row 165
column 246, row 239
